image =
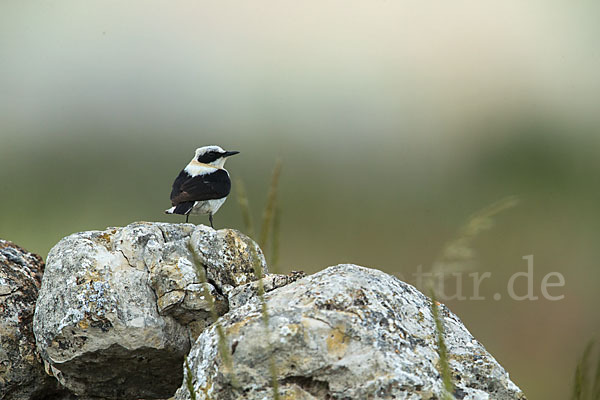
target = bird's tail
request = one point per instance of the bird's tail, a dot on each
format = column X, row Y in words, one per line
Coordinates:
column 181, row 208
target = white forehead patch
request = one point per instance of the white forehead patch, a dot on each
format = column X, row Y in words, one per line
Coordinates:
column 206, row 149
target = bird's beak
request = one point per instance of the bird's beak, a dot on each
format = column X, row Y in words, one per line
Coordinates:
column 230, row 153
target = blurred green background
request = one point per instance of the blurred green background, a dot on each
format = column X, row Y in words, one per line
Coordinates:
column 395, row 121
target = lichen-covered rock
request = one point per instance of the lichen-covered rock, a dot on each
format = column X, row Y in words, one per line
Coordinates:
column 347, row 332
column 117, row 307
column 22, row 374
column 228, row 256
column 240, row 295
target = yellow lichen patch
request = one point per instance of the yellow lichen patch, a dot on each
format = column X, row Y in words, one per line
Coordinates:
column 83, row 324
column 289, row 330
column 107, row 236
column 232, row 237
column 234, row 329
column 337, row 341
column 91, row 276
column 206, row 388
column 294, row 392
column 172, row 276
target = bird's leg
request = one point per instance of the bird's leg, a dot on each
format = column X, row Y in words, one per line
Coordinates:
column 211, row 220
column 186, row 217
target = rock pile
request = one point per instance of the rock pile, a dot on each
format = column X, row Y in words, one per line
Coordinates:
column 120, row 309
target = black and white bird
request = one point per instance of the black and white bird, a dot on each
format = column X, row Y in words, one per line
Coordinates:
column 203, row 185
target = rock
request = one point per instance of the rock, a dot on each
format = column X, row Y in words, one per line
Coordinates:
column 248, row 292
column 22, row 373
column 117, row 308
column 347, row 332
column 228, row 256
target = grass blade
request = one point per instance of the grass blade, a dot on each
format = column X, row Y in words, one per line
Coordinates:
column 455, row 256
column 223, row 347
column 242, row 199
column 258, row 272
column 444, row 366
column 459, row 251
column 580, row 381
column 270, row 206
column 596, row 386
column 274, row 259
column 189, row 383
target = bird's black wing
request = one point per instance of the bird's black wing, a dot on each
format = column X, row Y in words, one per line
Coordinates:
column 214, row 185
column 181, row 178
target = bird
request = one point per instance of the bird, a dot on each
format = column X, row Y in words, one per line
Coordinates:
column 203, row 185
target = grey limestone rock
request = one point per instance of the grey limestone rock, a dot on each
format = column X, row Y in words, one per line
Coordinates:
column 118, row 308
column 22, row 373
column 243, row 294
column 347, row 332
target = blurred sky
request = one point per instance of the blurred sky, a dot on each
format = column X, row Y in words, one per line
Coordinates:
column 395, row 121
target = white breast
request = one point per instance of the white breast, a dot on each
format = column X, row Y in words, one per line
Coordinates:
column 196, row 168
column 207, row 206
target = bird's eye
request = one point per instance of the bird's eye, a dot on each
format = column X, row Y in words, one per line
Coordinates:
column 209, row 157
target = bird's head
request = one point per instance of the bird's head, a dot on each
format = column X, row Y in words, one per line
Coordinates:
column 213, row 155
